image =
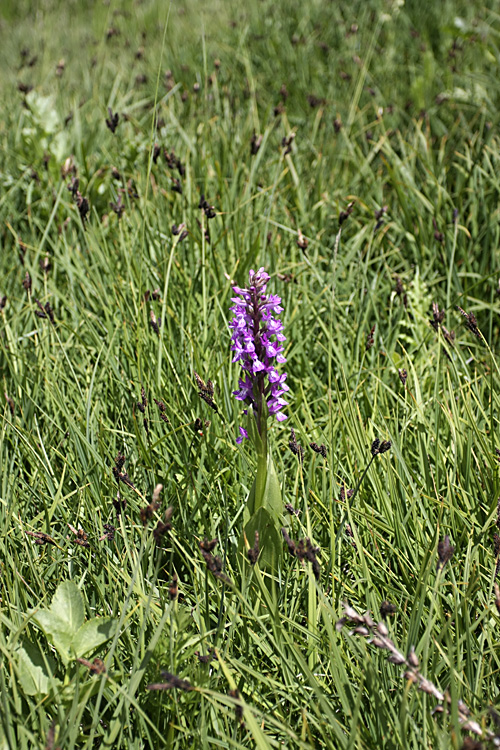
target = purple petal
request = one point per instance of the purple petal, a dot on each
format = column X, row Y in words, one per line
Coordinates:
column 243, row 434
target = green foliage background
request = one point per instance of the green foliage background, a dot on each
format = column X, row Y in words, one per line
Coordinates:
column 394, row 108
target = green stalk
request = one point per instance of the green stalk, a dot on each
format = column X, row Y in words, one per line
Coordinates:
column 261, row 478
column 259, row 441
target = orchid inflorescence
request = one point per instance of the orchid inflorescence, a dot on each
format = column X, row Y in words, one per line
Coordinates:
column 256, row 343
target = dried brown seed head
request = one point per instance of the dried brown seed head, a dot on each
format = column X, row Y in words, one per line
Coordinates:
column 96, row 666
column 173, row 589
column 344, row 215
column 387, row 608
column 413, row 658
column 445, row 552
column 253, row 552
column 471, row 322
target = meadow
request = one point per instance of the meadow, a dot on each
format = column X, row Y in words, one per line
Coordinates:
column 151, row 155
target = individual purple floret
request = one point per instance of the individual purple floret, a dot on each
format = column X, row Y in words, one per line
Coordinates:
column 256, row 343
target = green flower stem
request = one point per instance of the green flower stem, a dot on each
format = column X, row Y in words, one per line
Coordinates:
column 260, row 443
column 264, row 505
column 261, row 478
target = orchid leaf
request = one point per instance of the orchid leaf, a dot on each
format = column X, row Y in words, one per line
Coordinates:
column 272, row 500
column 269, row 538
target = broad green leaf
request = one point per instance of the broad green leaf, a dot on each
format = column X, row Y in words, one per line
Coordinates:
column 249, row 508
column 93, row 634
column 35, row 669
column 57, row 632
column 269, row 538
column 263, row 512
column 62, row 620
column 266, row 489
column 68, row 605
column 44, row 111
column 272, row 500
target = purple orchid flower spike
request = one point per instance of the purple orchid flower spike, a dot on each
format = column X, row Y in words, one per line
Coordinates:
column 257, row 336
column 257, row 344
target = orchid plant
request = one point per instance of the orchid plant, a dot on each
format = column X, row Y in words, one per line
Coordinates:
column 257, row 344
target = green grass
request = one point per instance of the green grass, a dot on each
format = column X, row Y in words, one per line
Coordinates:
column 392, row 105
